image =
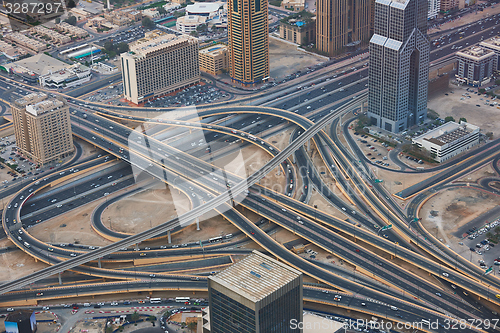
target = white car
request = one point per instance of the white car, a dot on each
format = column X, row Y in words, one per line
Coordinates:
column 114, row 303
column 45, row 308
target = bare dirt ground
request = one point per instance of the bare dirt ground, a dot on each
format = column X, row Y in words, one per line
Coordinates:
column 485, row 116
column 285, row 59
column 485, row 171
column 395, row 182
column 16, row 264
column 89, row 326
column 146, row 209
column 448, row 210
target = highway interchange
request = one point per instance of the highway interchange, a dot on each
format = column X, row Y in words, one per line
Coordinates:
column 311, row 112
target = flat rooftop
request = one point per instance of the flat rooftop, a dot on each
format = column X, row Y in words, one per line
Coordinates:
column 154, row 41
column 447, row 133
column 44, row 106
column 476, row 53
column 256, row 276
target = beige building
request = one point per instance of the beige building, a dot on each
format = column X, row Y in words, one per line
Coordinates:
column 447, row 5
column 189, row 23
column 341, row 25
column 27, row 42
column 215, row 59
column 158, row 64
column 42, row 128
column 493, row 44
column 475, row 66
column 10, row 51
column 54, row 36
column 71, row 30
column 299, row 31
column 295, row 5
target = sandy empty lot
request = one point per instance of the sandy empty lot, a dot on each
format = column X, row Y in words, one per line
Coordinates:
column 285, row 59
column 484, row 116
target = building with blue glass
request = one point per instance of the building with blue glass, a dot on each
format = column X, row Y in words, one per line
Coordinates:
column 255, row 295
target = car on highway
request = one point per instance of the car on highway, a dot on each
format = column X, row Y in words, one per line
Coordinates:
column 116, row 303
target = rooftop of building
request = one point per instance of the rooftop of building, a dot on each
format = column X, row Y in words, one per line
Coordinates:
column 203, row 7
column 299, row 19
column 256, row 276
column 67, row 73
column 493, row 42
column 44, row 106
column 447, row 133
column 476, row 53
column 19, row 315
column 153, row 41
column 41, row 64
column 186, row 19
column 31, row 98
column 214, row 50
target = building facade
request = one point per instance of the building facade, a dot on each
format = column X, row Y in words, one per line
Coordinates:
column 158, row 64
column 215, row 59
column 448, row 140
column 493, row 44
column 433, row 9
column 298, row 31
column 248, row 35
column 475, row 66
column 189, row 23
column 448, row 5
column 257, row 294
column 341, row 25
column 399, row 65
column 42, row 128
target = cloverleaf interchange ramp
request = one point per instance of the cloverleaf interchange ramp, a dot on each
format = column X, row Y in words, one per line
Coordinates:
column 236, row 189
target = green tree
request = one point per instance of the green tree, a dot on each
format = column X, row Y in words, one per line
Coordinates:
column 463, row 119
column 147, row 23
column 489, row 135
column 71, row 20
column 109, row 46
column 178, row 14
column 497, row 230
column 161, row 10
column 135, row 316
column 194, row 33
column 449, row 118
column 121, row 47
column 489, row 234
column 497, row 82
column 191, row 326
column 481, row 91
column 71, row 4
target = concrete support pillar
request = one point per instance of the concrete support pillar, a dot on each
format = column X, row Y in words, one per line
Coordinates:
column 294, row 160
column 60, row 280
column 308, row 145
column 137, row 247
column 99, row 263
column 362, row 108
column 169, row 237
column 197, row 223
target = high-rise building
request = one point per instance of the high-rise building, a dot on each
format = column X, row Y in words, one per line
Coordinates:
column 248, row 32
column 158, row 64
column 256, row 294
column 399, row 65
column 475, row 66
column 433, row 9
column 42, row 128
column 341, row 24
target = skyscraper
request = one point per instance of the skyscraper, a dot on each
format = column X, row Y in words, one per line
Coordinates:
column 341, row 23
column 248, row 41
column 257, row 294
column 399, row 65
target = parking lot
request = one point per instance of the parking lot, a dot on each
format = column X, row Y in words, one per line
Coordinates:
column 127, row 36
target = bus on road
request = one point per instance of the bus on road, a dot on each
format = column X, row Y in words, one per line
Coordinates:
column 182, row 299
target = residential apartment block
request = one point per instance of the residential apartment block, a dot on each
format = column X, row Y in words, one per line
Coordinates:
column 215, row 59
column 71, row 30
column 341, row 25
column 158, row 64
column 493, row 44
column 256, row 294
column 475, row 66
column 42, row 128
column 299, row 30
column 248, row 35
column 27, row 42
column 399, row 65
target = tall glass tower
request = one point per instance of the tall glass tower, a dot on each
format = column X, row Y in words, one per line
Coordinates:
column 248, row 41
column 399, row 65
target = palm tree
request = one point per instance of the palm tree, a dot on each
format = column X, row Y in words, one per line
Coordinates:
column 489, row 235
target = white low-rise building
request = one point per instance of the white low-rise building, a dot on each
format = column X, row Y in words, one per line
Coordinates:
column 71, row 76
column 448, row 140
column 189, row 23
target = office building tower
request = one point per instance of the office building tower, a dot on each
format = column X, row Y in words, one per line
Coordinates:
column 215, row 59
column 341, row 25
column 257, row 294
column 158, row 64
column 399, row 65
column 248, row 32
column 42, row 128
